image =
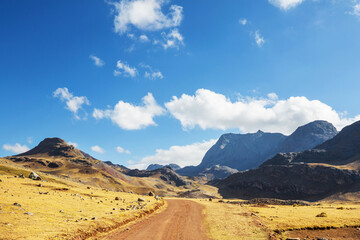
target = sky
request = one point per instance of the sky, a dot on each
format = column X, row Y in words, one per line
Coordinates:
column 137, row 82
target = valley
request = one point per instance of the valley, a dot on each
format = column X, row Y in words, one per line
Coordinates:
column 58, row 191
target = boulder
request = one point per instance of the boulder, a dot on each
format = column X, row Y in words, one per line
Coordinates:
column 34, row 176
column 151, row 194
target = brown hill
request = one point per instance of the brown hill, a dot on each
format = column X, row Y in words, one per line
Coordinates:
column 55, row 156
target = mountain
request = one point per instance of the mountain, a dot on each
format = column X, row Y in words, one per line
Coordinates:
column 344, row 148
column 297, row 181
column 55, row 147
column 157, row 166
column 54, row 156
column 329, row 168
column 247, row 151
column 308, row 136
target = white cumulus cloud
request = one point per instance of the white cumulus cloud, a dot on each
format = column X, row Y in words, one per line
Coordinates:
column 285, row 4
column 132, row 117
column 259, row 39
column 97, row 149
column 124, row 69
column 182, row 155
column 207, row 109
column 73, row 103
column 122, row 150
column 97, row 61
column 145, row 15
column 17, row 148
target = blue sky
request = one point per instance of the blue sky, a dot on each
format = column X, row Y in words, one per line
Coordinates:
column 145, row 81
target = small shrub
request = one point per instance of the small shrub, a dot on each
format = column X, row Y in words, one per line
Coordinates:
column 323, row 214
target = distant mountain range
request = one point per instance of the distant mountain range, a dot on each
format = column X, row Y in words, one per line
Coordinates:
column 157, row 166
column 248, row 151
column 329, row 168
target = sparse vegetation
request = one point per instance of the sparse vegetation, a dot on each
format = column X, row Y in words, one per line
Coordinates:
column 227, row 221
column 57, row 208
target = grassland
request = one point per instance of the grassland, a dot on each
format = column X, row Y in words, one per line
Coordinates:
column 60, row 209
column 234, row 221
column 230, row 222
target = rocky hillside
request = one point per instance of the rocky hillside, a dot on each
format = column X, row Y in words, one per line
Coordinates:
column 247, row 151
column 54, row 156
column 311, row 174
column 298, row 181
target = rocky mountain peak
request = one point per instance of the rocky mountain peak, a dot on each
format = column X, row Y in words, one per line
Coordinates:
column 54, row 147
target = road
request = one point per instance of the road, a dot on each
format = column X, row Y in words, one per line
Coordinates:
column 181, row 220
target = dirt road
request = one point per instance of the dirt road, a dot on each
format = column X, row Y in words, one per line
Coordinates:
column 182, row 220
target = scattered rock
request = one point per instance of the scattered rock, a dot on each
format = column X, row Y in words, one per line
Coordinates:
column 157, row 197
column 39, row 185
column 17, row 204
column 21, row 175
column 94, row 218
column 117, row 198
column 323, row 214
column 113, row 209
column 292, row 238
column 210, row 199
column 29, row 213
column 61, row 211
column 140, row 199
column 321, row 238
column 88, row 187
column 0, row 180
column 151, row 194
column 34, row 176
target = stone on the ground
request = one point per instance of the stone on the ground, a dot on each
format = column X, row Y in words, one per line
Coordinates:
column 17, row 204
column 151, row 194
column 140, row 199
column 29, row 213
column 34, row 176
column 94, row 218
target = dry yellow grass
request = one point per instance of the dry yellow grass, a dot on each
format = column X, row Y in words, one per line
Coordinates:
column 301, row 217
column 230, row 222
column 61, row 209
column 234, row 221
